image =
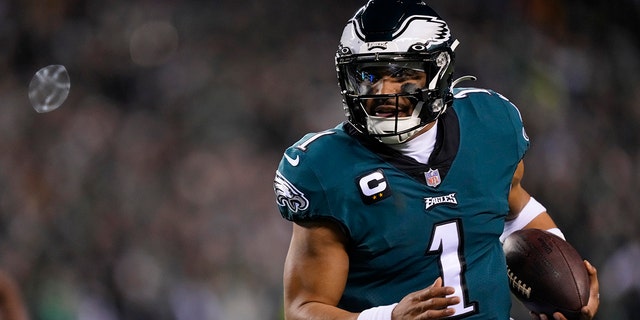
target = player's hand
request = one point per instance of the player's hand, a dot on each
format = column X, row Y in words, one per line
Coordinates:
column 428, row 303
column 588, row 311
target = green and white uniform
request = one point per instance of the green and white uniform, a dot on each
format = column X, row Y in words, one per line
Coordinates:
column 409, row 223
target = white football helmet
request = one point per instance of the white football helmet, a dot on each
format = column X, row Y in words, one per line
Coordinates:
column 399, row 37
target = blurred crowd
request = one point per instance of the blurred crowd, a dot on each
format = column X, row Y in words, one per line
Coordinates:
column 148, row 193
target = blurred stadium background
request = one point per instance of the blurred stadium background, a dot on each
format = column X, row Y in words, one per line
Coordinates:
column 148, row 194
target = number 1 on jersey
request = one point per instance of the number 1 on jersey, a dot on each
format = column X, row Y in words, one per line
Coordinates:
column 446, row 241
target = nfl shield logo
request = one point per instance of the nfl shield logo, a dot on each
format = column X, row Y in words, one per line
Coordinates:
column 432, row 177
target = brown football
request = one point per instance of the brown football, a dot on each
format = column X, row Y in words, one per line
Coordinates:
column 546, row 273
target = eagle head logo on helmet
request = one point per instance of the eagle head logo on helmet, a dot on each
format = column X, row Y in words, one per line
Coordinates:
column 396, row 34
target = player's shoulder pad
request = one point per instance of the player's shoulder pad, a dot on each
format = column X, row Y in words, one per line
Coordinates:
column 298, row 186
column 478, row 93
column 486, row 98
column 492, row 108
column 317, row 146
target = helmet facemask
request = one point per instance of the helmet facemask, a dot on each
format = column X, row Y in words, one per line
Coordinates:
column 391, row 97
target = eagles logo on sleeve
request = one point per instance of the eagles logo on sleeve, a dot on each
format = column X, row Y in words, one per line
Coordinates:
column 288, row 195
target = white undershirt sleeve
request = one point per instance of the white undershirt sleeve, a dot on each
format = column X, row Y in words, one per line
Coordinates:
column 530, row 210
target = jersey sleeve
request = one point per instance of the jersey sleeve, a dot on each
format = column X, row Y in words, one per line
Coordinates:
column 518, row 126
column 496, row 111
column 299, row 193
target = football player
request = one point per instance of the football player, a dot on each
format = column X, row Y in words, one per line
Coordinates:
column 399, row 212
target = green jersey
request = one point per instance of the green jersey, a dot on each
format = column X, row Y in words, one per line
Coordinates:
column 407, row 222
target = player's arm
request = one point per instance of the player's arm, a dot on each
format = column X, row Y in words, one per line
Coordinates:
column 315, row 275
column 315, row 272
column 533, row 215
